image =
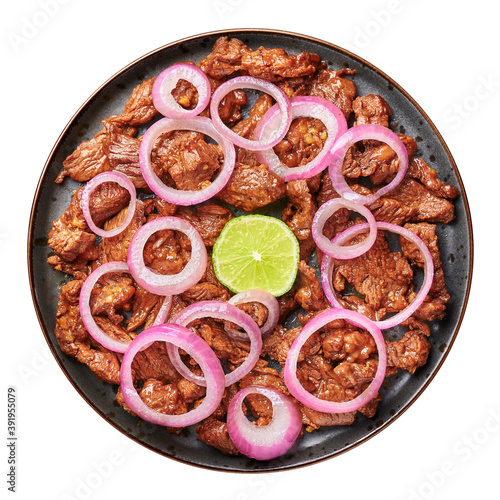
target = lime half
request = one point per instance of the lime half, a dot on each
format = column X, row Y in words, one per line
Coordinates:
column 256, row 251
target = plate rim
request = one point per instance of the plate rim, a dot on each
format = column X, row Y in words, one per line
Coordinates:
column 241, row 32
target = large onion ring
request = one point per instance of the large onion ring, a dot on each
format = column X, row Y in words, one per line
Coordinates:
column 178, row 196
column 226, row 312
column 309, row 106
column 268, row 441
column 290, row 370
column 360, row 133
column 170, row 284
column 345, row 236
column 263, row 297
column 332, row 247
column 99, row 179
column 166, row 81
column 250, row 82
column 190, row 342
column 84, row 302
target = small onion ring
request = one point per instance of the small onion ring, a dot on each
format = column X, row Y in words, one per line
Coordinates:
column 190, row 342
column 250, row 82
column 222, row 311
column 308, row 106
column 268, row 441
column 263, row 297
column 327, row 268
column 178, row 196
column 331, row 247
column 84, row 302
column 161, row 284
column 360, row 133
column 91, row 185
column 290, row 370
column 166, row 81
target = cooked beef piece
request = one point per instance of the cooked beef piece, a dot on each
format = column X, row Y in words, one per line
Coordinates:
column 257, row 311
column 251, row 187
column 287, row 304
column 154, row 363
column 107, row 200
column 231, row 55
column 139, row 108
column 313, row 419
column 163, row 398
column 79, row 268
column 298, row 215
column 122, row 152
column 304, row 140
column 419, row 169
column 185, row 94
column 230, row 107
column 310, row 295
column 164, row 208
column 190, row 391
column 245, row 128
column 347, row 344
column 411, row 201
column 69, row 237
column 185, row 158
column 297, row 86
column 382, row 277
column 375, row 160
column 205, row 291
column 263, row 375
column 144, row 307
column 208, row 220
column 88, row 160
column 115, row 248
column 371, row 109
column 214, row 433
column 353, row 375
column 332, row 85
column 111, row 292
column 412, row 350
column 74, row 340
column 434, row 305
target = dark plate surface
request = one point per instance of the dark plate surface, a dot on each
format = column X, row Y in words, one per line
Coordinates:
column 398, row 392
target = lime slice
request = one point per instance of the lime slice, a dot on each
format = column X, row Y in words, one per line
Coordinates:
column 256, row 251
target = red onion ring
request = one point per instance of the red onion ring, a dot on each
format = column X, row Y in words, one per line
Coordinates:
column 166, row 81
column 161, row 284
column 309, row 106
column 190, row 342
column 99, row 179
column 249, row 82
column 327, row 268
column 88, row 320
column 290, row 370
column 222, row 311
column 360, row 133
column 268, row 441
column 332, row 247
column 178, row 196
column 263, row 297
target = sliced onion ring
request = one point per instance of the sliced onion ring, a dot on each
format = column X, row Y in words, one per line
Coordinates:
column 178, row 196
column 290, row 370
column 348, row 139
column 263, row 297
column 96, row 181
column 222, row 311
column 328, row 263
column 268, row 441
column 166, row 81
column 169, row 284
column 332, row 247
column 250, row 82
column 190, row 342
column 88, row 320
column 308, row 106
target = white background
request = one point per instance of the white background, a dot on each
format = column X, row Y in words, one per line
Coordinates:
column 444, row 55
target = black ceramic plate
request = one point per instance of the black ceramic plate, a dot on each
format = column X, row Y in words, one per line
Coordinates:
column 398, row 392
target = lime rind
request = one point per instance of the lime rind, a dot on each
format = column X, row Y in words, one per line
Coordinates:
column 256, row 251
